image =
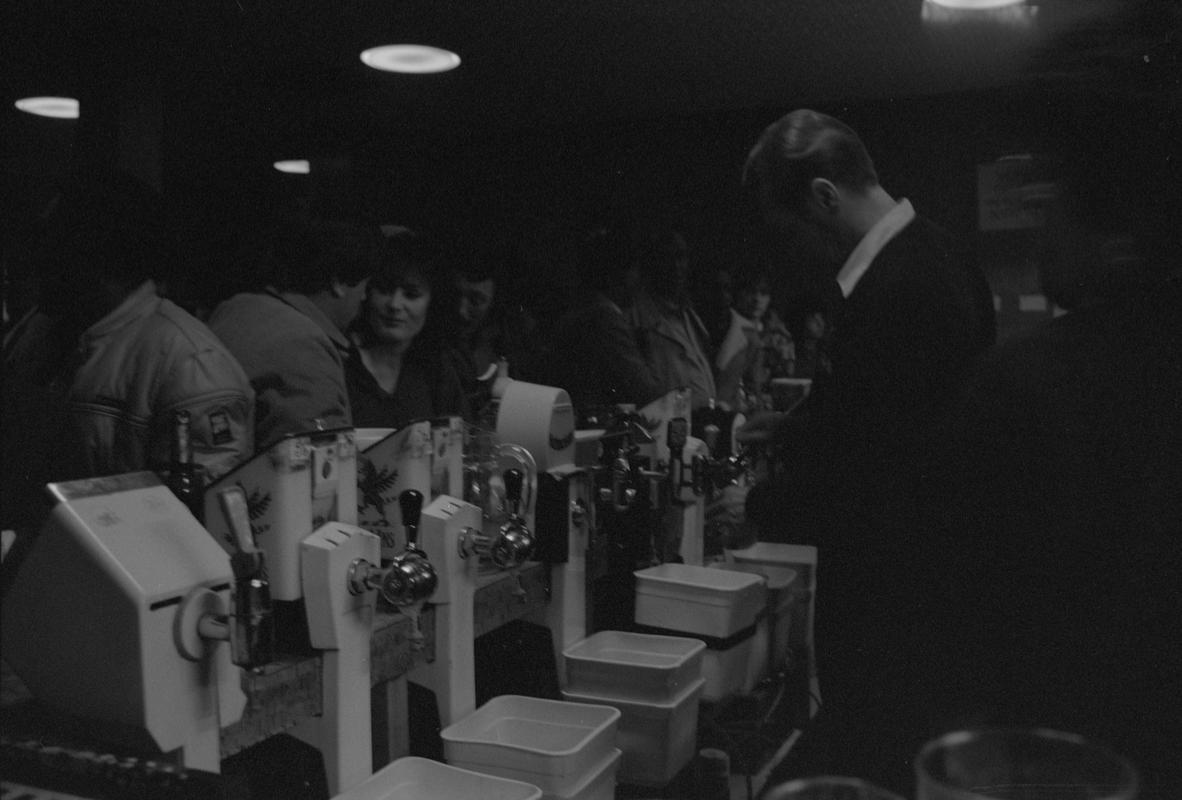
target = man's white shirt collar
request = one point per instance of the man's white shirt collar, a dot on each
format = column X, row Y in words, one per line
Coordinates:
column 871, row 245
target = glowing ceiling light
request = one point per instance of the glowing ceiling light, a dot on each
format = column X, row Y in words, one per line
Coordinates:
column 1015, row 14
column 412, row 58
column 294, row 166
column 56, row 107
column 976, row 4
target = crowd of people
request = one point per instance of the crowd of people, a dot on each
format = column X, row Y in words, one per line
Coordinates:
column 997, row 525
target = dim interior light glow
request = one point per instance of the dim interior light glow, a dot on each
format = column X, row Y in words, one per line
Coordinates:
column 56, row 107
column 411, row 58
column 1014, row 14
column 294, row 166
column 976, row 4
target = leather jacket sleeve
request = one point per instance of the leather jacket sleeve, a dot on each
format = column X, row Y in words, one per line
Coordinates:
column 212, row 387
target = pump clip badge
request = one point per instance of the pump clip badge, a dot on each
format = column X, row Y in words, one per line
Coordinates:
column 219, row 427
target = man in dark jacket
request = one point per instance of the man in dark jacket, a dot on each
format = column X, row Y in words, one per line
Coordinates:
column 909, row 314
column 909, row 311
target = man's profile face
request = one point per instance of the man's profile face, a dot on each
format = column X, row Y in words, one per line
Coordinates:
column 813, row 240
column 476, row 299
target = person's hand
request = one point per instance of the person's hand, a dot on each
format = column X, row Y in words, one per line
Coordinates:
column 727, row 515
column 760, row 427
column 729, row 506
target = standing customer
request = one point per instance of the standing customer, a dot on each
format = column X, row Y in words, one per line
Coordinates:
column 289, row 334
column 594, row 354
column 95, row 374
column 672, row 337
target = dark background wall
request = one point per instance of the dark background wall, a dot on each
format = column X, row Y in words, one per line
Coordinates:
column 536, row 185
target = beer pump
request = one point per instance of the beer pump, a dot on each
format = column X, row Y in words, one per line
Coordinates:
column 513, row 542
column 409, row 579
column 620, row 444
column 645, row 456
column 115, row 612
column 301, row 497
column 248, row 626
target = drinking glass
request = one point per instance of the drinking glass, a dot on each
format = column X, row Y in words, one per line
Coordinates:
column 829, row 787
column 1005, row 764
column 788, row 393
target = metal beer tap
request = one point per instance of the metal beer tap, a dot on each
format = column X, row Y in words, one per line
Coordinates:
column 515, row 541
column 623, row 475
column 410, row 578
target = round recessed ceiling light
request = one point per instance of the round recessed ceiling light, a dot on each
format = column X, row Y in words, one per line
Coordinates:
column 295, row 166
column 976, row 4
column 413, row 58
column 56, row 107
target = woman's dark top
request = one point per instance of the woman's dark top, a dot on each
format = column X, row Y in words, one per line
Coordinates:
column 424, row 391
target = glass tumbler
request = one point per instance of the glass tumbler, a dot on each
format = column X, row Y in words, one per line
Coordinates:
column 1021, row 765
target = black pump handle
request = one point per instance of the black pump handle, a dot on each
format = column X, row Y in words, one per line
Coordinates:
column 410, row 502
column 514, row 481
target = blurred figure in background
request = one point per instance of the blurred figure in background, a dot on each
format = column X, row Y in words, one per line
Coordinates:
column 289, row 333
column 593, row 350
column 94, row 377
column 492, row 319
column 397, row 371
column 672, row 337
column 806, row 321
column 757, row 346
column 475, row 290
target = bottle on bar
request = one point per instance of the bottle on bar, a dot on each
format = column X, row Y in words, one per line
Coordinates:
column 712, row 771
column 185, row 477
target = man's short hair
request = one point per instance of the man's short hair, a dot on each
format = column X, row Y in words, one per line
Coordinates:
column 307, row 257
column 799, row 147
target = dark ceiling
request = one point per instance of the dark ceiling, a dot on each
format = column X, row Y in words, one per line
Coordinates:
column 286, row 73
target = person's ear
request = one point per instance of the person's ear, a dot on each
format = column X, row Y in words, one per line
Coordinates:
column 824, row 194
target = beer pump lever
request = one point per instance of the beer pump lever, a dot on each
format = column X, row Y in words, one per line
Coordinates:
column 514, row 542
column 623, row 475
column 249, row 625
column 410, row 578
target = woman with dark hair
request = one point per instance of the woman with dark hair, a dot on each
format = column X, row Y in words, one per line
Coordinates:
column 398, row 371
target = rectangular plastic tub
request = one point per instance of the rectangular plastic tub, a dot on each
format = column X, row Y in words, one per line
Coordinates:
column 700, row 600
column 598, row 784
column 658, row 738
column 414, row 778
column 793, row 609
column 725, row 669
column 775, row 627
column 799, row 557
column 633, row 666
column 550, row 743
